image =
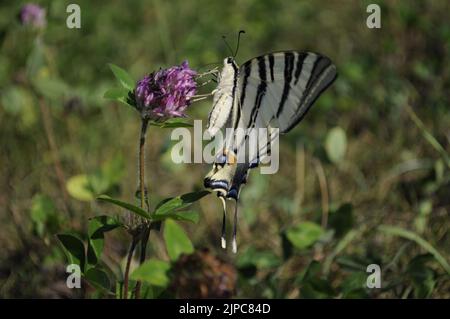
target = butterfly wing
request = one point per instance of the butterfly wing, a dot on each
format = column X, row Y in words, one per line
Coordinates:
column 273, row 91
column 278, row 89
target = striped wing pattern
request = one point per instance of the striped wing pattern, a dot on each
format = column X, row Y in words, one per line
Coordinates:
column 277, row 89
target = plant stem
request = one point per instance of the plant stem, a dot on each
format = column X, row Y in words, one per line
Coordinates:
column 143, row 197
column 127, row 267
column 142, row 258
column 142, row 162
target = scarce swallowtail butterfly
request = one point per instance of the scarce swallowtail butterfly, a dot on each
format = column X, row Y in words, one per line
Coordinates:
column 272, row 91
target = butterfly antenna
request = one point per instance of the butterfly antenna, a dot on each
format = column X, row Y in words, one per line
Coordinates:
column 238, row 41
column 226, row 43
column 224, row 223
column 234, row 243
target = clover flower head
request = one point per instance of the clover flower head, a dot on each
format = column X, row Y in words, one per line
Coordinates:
column 166, row 93
column 33, row 15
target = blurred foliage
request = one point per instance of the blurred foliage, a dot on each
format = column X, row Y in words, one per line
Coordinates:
column 373, row 150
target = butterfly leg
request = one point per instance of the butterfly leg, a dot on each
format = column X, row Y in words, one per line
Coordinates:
column 200, row 99
column 205, row 83
column 224, row 223
column 203, row 95
column 214, row 71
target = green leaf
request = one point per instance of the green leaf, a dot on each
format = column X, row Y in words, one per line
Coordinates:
column 123, row 77
column 153, row 271
column 341, row 220
column 260, row 259
column 102, row 224
column 97, row 183
column 336, row 144
column 15, row 100
column 119, row 95
column 193, row 196
column 314, row 285
column 304, row 235
column 98, row 278
column 169, row 207
column 354, row 285
column 151, row 292
column 44, row 215
column 398, row 231
column 341, row 245
column 52, row 88
column 95, row 249
column 312, row 271
column 130, row 207
column 97, row 227
column 189, row 216
column 73, row 248
column 170, row 204
column 286, row 246
column 177, row 242
column 422, row 276
column 116, row 93
column 422, row 70
column 428, row 136
column 79, row 188
column 420, row 222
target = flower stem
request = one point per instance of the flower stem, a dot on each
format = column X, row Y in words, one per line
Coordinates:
column 141, row 228
column 143, row 197
column 144, row 242
column 127, row 267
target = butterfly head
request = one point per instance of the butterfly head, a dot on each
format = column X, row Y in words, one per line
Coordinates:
column 230, row 68
column 229, row 61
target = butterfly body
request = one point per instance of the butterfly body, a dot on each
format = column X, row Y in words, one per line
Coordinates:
column 272, row 92
column 223, row 97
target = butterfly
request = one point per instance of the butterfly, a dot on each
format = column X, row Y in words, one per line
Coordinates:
column 272, row 91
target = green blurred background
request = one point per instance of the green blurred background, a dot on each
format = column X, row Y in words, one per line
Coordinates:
column 373, row 151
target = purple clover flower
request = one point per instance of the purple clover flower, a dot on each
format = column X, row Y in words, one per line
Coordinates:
column 33, row 15
column 166, row 93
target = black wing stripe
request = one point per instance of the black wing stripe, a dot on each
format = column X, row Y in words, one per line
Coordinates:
column 260, row 92
column 247, row 67
column 299, row 65
column 288, row 67
column 235, row 79
column 271, row 63
column 319, row 65
column 326, row 82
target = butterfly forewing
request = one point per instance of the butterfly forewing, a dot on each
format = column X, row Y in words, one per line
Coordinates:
column 278, row 84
